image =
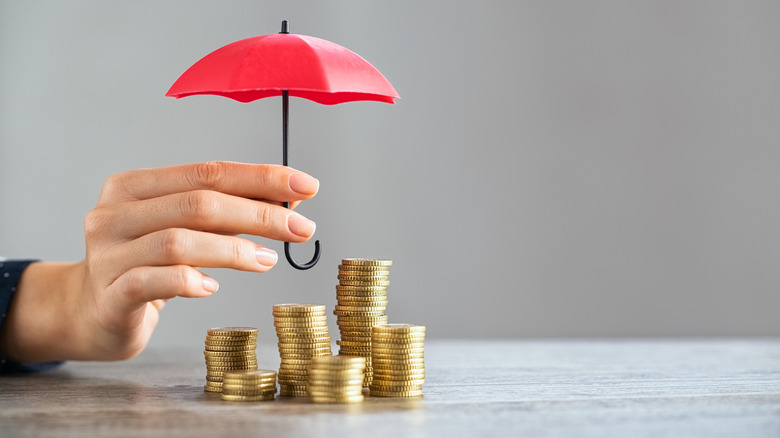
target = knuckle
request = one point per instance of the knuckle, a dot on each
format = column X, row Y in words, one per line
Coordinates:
column 182, row 278
column 113, row 184
column 174, row 244
column 200, row 204
column 96, row 221
column 207, row 175
column 134, row 281
column 264, row 217
column 240, row 252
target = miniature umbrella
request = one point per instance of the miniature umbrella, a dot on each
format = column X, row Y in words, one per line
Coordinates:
column 285, row 64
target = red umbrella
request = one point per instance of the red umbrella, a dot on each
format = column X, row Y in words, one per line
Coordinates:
column 285, row 64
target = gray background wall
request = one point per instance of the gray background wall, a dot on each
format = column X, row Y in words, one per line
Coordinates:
column 566, row 168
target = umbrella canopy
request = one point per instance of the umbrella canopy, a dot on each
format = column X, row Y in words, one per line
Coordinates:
column 264, row 66
column 285, row 64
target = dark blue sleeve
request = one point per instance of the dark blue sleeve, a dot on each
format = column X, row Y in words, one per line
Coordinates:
column 10, row 273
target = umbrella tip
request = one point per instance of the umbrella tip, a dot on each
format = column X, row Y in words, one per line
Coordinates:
column 285, row 27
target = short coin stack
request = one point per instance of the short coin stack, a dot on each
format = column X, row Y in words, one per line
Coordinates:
column 362, row 299
column 336, row 379
column 228, row 349
column 302, row 330
column 397, row 355
column 249, row 385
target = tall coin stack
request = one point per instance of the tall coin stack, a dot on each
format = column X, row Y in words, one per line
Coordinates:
column 302, row 330
column 397, row 355
column 228, row 349
column 249, row 385
column 362, row 299
column 336, row 379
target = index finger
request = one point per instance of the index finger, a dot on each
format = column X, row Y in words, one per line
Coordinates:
column 255, row 181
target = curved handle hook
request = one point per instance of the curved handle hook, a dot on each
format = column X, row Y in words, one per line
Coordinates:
column 295, row 264
column 292, row 261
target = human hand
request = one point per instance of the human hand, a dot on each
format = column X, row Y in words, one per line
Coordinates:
column 149, row 232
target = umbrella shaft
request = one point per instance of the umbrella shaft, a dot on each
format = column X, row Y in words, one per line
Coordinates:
column 285, row 123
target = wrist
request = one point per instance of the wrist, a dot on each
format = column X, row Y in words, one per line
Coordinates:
column 40, row 324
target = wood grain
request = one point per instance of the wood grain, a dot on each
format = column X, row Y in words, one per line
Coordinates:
column 473, row 388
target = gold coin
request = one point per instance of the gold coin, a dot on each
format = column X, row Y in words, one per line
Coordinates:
column 349, row 274
column 412, row 352
column 302, row 330
column 297, row 308
column 338, row 400
column 361, row 299
column 228, row 331
column 338, row 362
column 363, row 267
column 211, row 344
column 342, row 290
column 293, row 387
column 247, row 391
column 383, row 283
column 264, row 386
column 397, row 348
column 303, row 355
column 223, row 368
column 251, row 374
column 294, row 325
column 407, row 393
column 344, row 343
column 398, row 365
column 397, row 335
column 229, row 397
column 355, row 351
column 331, row 385
column 293, row 393
column 230, row 348
column 301, row 362
column 372, row 278
column 359, row 308
column 212, row 389
column 329, row 372
column 238, row 358
column 363, row 320
column 400, row 328
column 391, row 379
column 297, row 380
column 358, row 313
column 228, row 354
column 244, row 339
column 353, row 336
column 366, row 262
column 300, row 318
column 405, row 357
column 294, row 347
column 315, row 391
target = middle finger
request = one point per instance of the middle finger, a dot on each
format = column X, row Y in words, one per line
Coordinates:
column 206, row 210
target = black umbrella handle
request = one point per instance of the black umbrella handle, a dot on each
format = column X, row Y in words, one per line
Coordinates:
column 285, row 124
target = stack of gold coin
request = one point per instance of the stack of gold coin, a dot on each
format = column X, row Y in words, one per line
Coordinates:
column 397, row 355
column 228, row 349
column 362, row 299
column 336, row 379
column 249, row 385
column 302, row 330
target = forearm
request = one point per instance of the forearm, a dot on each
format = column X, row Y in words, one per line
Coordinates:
column 41, row 322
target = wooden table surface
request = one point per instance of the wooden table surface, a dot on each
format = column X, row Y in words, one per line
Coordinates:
column 623, row 388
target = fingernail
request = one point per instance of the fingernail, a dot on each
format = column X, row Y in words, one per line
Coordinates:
column 300, row 226
column 266, row 257
column 209, row 284
column 303, row 184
